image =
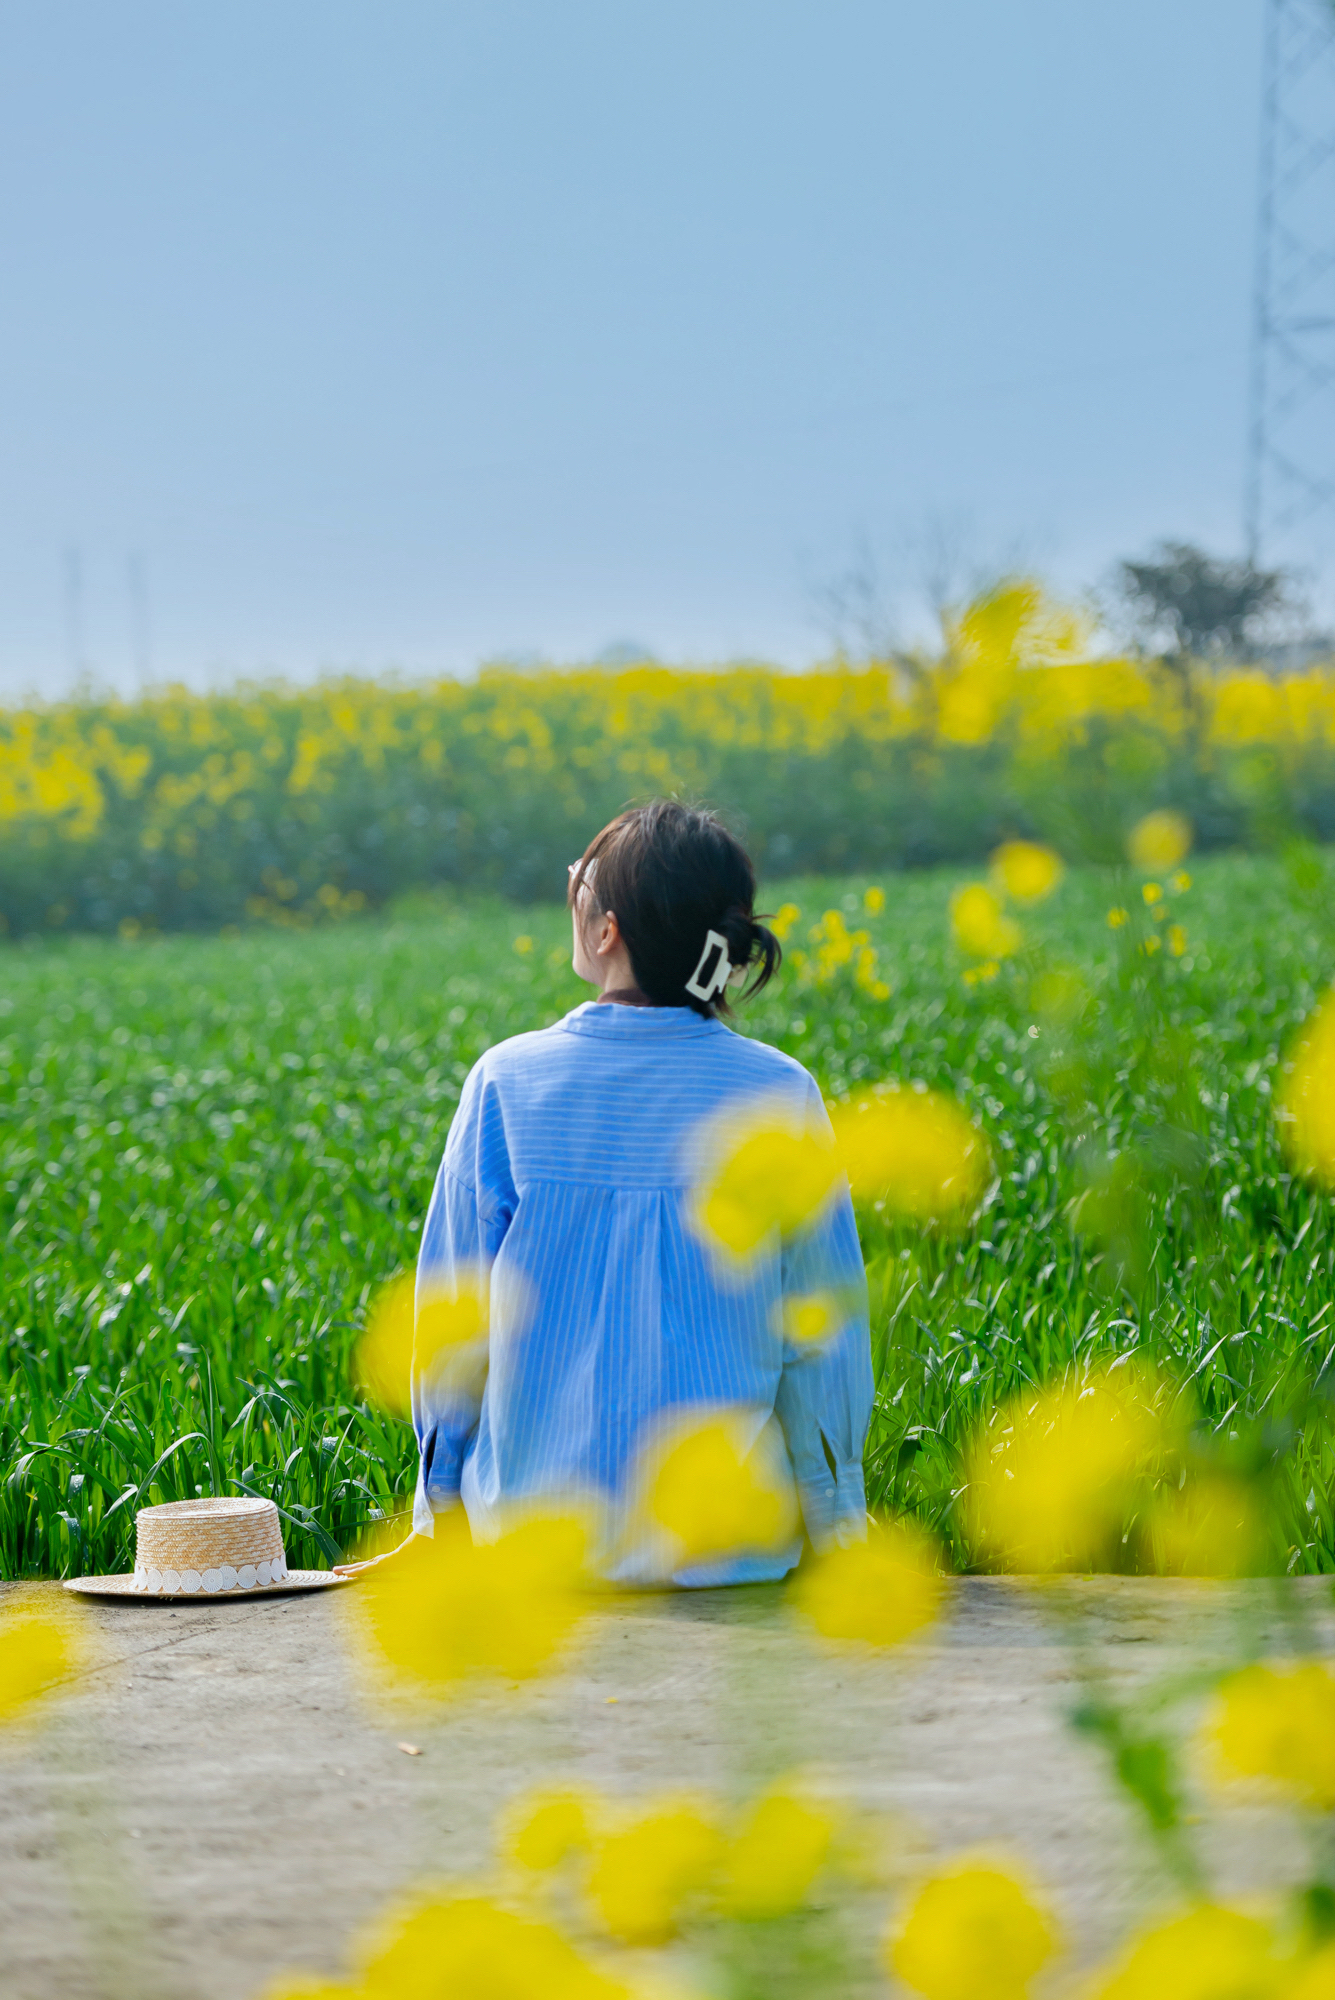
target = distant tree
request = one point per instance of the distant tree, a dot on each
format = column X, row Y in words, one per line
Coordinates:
column 1183, row 601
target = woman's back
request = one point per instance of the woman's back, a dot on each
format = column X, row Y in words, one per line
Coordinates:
column 568, row 1188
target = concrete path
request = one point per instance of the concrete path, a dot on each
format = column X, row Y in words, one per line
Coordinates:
column 215, row 1800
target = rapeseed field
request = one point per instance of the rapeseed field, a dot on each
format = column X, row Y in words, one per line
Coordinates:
column 294, row 806
column 215, row 1151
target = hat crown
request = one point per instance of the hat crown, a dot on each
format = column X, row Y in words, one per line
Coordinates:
column 211, row 1546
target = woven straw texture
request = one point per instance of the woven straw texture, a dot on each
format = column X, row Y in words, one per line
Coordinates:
column 207, row 1534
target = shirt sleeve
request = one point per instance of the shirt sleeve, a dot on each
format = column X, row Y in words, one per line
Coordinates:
column 826, row 1390
column 471, row 1207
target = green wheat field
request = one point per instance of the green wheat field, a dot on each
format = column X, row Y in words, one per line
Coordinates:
column 213, row 1150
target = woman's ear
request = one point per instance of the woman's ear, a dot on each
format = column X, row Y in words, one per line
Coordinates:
column 609, row 936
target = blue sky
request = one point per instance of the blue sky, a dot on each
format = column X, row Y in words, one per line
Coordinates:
column 340, row 336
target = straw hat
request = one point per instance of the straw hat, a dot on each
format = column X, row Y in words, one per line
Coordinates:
column 207, row 1548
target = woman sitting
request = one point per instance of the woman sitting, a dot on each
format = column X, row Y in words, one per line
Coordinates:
column 570, row 1187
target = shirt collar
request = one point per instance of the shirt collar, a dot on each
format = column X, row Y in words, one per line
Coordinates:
column 627, row 1024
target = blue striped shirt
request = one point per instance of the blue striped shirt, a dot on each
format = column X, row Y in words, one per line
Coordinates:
column 568, row 1175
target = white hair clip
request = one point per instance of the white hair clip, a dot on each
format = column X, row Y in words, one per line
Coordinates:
column 705, row 989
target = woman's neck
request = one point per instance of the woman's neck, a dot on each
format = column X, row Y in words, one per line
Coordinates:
column 627, row 996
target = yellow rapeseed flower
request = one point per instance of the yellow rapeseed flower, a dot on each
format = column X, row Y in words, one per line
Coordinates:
column 878, row 1592
column 470, row 1948
column 776, row 1855
column 1116, row 918
column 1211, row 1953
column 807, row 1318
column 446, row 1608
column 873, row 902
column 523, row 944
column 410, row 1328
column 980, row 926
column 543, row 1827
column 1026, row 871
column 783, row 920
column 1179, row 882
column 1306, row 1105
column 1278, row 1723
column 1160, row 840
column 40, row 1646
column 716, row 1490
column 969, row 705
column 1050, row 1482
column 915, row 1151
column 546, row 1825
column 1151, row 893
column 1314, row 1978
column 837, row 948
column 972, row 1930
column 981, row 975
column 1177, row 940
column 646, row 1871
column 769, row 1179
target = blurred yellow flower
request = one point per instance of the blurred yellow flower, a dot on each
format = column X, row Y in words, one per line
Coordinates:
column 783, row 920
column 1211, row 1526
column 541, row 1828
column 1151, row 945
column 1306, row 1106
column 972, row 1930
column 1177, row 940
column 1026, row 871
column 1179, row 882
column 1248, row 708
column 447, row 1608
column 412, row 1328
column 1116, row 918
column 775, row 1856
column 646, row 1871
column 979, row 924
column 1314, row 1978
column 878, row 1592
column 470, row 1948
column 807, row 1318
column 915, row 1151
column 969, row 706
column 1279, row 1723
column 838, row 949
column 523, row 945
column 1152, row 893
column 981, row 975
column 1160, row 840
column 40, row 1646
column 1051, row 1480
column 874, row 902
column 771, row 1180
column 1211, row 1953
column 717, row 1490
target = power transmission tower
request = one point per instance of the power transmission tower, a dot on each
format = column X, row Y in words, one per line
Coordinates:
column 1291, row 446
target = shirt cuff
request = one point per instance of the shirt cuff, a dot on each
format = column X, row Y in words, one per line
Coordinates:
column 439, row 1473
column 835, row 1508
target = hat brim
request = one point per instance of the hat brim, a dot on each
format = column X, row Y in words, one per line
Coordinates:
column 123, row 1586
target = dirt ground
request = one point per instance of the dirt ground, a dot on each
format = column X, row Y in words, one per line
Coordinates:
column 215, row 1801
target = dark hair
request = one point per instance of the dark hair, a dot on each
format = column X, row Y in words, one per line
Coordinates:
column 671, row 873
